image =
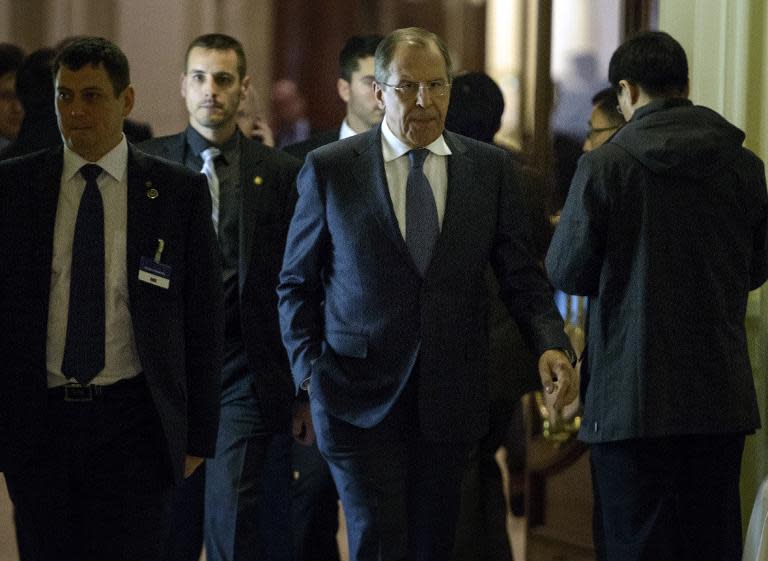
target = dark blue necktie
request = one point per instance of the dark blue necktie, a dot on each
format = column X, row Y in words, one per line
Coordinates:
column 84, row 347
column 421, row 223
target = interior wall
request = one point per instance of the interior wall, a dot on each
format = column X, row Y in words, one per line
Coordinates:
column 154, row 36
column 727, row 51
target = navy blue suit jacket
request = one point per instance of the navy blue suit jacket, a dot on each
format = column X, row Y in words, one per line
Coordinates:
column 178, row 331
column 268, row 187
column 355, row 313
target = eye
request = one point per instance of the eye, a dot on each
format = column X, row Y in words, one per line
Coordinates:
column 64, row 96
column 198, row 77
column 224, row 80
column 91, row 96
column 409, row 87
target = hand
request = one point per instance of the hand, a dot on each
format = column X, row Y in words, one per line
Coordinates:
column 303, row 431
column 191, row 463
column 558, row 377
column 260, row 130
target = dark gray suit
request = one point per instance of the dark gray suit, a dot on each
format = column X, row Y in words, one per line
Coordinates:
column 389, row 351
column 248, row 484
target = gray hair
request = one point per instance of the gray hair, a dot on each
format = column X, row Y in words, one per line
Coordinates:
column 411, row 35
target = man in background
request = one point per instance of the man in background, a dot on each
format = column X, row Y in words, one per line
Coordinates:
column 664, row 228
column 247, row 485
column 355, row 88
column 11, row 111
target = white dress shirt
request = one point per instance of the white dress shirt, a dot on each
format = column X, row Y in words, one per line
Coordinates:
column 396, row 167
column 121, row 359
column 345, row 131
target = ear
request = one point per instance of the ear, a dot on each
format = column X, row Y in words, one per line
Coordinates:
column 183, row 85
column 128, row 100
column 379, row 93
column 244, row 85
column 632, row 89
column 343, row 87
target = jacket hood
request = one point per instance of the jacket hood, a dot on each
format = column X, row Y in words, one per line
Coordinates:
column 674, row 137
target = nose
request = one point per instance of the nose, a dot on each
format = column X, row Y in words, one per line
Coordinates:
column 423, row 97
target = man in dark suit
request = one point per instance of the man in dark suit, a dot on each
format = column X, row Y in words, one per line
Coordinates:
column 355, row 87
column 247, row 485
column 315, row 509
column 383, row 304
column 111, row 303
column 664, row 228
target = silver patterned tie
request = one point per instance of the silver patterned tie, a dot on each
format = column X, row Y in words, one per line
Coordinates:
column 209, row 169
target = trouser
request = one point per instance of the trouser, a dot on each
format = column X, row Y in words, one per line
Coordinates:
column 670, row 499
column 99, row 485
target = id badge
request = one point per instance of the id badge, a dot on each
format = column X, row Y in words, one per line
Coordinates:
column 155, row 273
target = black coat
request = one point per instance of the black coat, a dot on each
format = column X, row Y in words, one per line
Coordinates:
column 665, row 229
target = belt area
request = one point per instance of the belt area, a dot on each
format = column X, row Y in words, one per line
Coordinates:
column 84, row 393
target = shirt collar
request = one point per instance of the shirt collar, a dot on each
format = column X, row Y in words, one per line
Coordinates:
column 198, row 143
column 346, row 131
column 114, row 162
column 393, row 147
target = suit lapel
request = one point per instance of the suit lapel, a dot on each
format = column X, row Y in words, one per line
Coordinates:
column 462, row 176
column 46, row 187
column 251, row 198
column 368, row 170
column 141, row 220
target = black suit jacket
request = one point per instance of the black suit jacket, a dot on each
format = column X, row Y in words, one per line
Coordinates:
column 268, row 183
column 355, row 312
column 178, row 331
column 301, row 149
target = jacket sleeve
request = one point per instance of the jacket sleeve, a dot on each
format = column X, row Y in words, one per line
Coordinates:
column 575, row 257
column 300, row 289
column 203, row 324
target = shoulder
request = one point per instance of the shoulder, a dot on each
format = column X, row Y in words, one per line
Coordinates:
column 254, row 152
column 157, row 166
column 160, row 145
column 301, row 149
column 21, row 169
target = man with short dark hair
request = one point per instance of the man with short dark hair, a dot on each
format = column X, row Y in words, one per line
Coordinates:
column 664, row 229
column 110, row 297
column 383, row 304
column 355, row 87
column 11, row 111
column 247, row 484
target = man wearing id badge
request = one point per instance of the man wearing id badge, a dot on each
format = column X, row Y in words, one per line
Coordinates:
column 111, row 306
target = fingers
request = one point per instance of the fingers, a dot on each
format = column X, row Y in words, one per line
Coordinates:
column 558, row 377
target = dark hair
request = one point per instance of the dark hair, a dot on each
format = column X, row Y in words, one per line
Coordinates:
column 356, row 47
column 476, row 106
column 606, row 101
column 11, row 57
column 414, row 35
column 219, row 42
column 654, row 61
column 95, row 51
column 34, row 85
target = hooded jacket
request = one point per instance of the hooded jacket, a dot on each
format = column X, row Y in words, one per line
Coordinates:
column 665, row 229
